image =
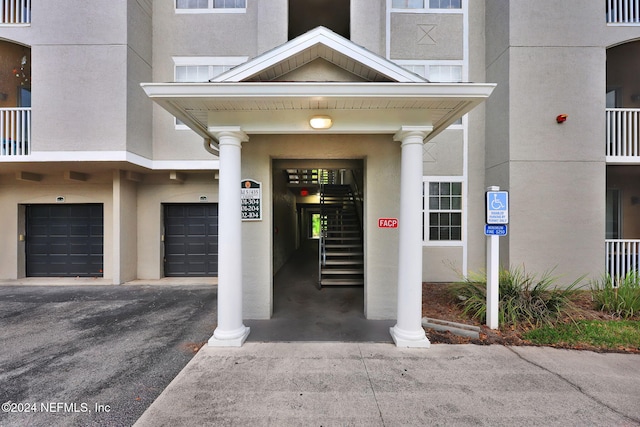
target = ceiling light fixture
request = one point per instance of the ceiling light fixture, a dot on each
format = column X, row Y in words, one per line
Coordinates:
column 321, row 122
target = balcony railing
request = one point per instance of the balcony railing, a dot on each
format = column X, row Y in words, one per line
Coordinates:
column 623, row 132
column 623, row 12
column 622, row 257
column 15, row 12
column 15, row 131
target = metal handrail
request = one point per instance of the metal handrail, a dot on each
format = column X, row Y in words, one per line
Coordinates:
column 357, row 197
column 322, row 250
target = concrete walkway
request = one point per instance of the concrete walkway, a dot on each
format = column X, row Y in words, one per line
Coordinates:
column 375, row 384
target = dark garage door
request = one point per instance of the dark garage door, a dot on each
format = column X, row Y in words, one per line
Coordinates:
column 191, row 240
column 64, row 240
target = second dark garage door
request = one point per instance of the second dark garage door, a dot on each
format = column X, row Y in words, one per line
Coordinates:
column 191, row 240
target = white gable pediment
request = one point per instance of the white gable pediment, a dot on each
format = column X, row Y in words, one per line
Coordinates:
column 320, row 70
column 305, row 58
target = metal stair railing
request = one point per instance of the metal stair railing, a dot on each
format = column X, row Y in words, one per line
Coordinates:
column 323, row 179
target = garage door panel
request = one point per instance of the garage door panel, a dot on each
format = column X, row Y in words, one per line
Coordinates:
column 64, row 240
column 197, row 229
column 176, row 229
column 80, row 230
column 191, row 240
column 196, row 248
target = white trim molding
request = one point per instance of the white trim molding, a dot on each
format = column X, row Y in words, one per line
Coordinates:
column 112, row 156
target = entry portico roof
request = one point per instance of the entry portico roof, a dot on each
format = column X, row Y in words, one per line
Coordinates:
column 256, row 96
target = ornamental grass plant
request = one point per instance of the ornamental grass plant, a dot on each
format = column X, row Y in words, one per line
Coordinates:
column 525, row 300
column 618, row 296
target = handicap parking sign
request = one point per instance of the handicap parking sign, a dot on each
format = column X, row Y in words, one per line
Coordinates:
column 497, row 207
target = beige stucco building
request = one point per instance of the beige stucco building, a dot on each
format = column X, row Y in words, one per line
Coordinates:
column 115, row 116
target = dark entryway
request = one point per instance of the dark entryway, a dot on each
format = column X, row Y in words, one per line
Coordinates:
column 191, row 240
column 64, row 240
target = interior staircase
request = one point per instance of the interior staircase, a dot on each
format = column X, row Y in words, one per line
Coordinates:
column 341, row 254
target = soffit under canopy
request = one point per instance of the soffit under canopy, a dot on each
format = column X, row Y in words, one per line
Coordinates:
column 253, row 96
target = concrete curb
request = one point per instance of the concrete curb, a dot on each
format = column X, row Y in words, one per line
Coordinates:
column 459, row 329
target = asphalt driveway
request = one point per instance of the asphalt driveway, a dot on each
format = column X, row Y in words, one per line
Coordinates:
column 95, row 355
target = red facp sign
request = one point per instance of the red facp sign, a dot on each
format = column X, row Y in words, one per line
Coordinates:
column 387, row 222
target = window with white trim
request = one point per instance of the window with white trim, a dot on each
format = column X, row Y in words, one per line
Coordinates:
column 201, row 70
column 435, row 72
column 199, row 73
column 200, row 6
column 426, row 4
column 442, row 210
column 438, row 72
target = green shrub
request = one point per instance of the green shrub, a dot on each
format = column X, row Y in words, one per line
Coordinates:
column 524, row 299
column 620, row 296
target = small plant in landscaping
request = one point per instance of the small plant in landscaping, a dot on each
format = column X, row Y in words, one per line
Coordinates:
column 619, row 296
column 524, row 299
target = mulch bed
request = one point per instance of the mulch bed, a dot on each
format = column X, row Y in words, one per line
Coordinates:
column 439, row 303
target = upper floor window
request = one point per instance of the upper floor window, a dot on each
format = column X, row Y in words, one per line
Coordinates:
column 197, row 6
column 435, row 73
column 199, row 73
column 426, row 4
column 439, row 72
column 201, row 69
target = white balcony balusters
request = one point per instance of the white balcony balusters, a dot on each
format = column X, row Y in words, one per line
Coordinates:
column 622, row 257
column 15, row 12
column 15, row 131
column 623, row 12
column 623, row 132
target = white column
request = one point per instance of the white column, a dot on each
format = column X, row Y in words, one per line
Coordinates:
column 231, row 332
column 408, row 331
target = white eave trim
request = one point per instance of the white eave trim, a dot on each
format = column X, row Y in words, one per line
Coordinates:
column 265, row 90
column 112, row 156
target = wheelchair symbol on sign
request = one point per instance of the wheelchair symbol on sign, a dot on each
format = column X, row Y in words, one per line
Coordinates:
column 496, row 204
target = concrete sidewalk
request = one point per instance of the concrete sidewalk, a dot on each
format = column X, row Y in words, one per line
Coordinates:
column 327, row 384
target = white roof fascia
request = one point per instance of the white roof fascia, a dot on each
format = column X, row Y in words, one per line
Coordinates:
column 319, row 35
column 267, row 90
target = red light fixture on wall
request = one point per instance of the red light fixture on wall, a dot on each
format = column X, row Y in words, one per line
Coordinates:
column 304, row 192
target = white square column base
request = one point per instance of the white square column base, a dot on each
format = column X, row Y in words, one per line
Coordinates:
column 404, row 342
column 233, row 342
